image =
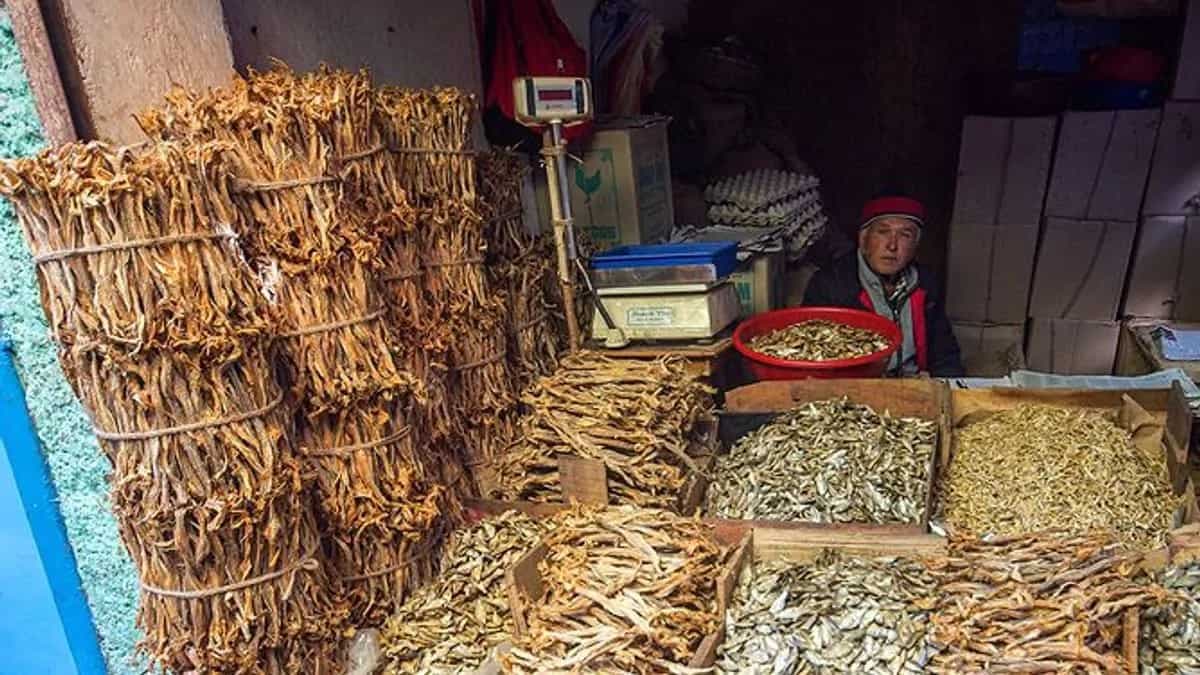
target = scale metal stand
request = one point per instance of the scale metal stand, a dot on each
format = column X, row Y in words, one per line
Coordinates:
column 557, row 102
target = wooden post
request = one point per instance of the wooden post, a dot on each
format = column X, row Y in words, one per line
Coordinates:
column 29, row 27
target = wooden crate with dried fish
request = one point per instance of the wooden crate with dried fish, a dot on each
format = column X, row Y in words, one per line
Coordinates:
column 168, row 342
column 842, row 603
column 618, row 590
column 1046, row 602
column 1073, row 461
column 610, row 431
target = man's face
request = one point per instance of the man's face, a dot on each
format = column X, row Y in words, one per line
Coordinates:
column 889, row 244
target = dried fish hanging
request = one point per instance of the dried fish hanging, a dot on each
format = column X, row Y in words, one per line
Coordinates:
column 1048, row 602
column 383, row 512
column 522, row 265
column 1034, row 468
column 625, row 590
column 837, row 614
column 827, row 462
column 1170, row 631
column 428, row 135
column 642, row 419
column 450, row 625
column 169, row 345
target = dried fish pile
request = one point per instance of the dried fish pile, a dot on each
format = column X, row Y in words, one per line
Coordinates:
column 311, row 239
column 1170, row 632
column 838, row 614
column 1035, row 468
column 450, row 625
column 642, row 419
column 522, row 265
column 625, row 590
column 168, row 343
column 819, row 340
column 827, row 462
column 1050, row 602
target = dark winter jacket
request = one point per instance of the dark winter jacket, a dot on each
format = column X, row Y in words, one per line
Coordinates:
column 937, row 351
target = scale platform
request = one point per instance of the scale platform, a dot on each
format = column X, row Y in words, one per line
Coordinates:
column 669, row 312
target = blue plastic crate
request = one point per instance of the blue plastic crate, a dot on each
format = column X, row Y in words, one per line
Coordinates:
column 722, row 255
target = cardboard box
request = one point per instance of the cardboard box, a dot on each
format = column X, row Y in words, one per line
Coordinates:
column 1101, row 163
column 1068, row 347
column 1162, row 285
column 1080, row 271
column 989, row 271
column 1187, row 72
column 1175, row 176
column 621, row 193
column 1003, row 168
column 760, row 283
column 990, row 350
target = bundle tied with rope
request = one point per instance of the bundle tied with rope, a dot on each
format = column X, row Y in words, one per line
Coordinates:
column 169, row 344
column 379, row 498
column 646, row 421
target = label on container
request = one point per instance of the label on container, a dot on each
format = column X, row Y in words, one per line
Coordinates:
column 642, row 317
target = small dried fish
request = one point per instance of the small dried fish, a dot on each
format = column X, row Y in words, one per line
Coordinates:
column 1050, row 602
column 818, row 340
column 827, row 462
column 640, row 418
column 1170, row 638
column 838, row 614
column 625, row 590
column 450, row 625
column 1035, row 468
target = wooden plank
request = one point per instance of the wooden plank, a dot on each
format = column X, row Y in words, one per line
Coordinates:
column 583, row 480
column 775, row 543
column 903, row 397
column 1129, row 640
column 29, row 28
column 1177, row 435
column 495, row 507
column 525, row 586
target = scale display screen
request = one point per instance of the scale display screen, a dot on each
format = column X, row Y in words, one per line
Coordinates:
column 540, row 100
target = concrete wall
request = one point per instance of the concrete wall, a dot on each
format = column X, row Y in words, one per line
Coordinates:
column 404, row 42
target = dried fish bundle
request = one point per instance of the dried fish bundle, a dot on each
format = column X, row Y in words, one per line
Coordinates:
column 450, row 625
column 641, row 419
column 1034, row 468
column 818, row 340
column 168, row 344
column 624, row 590
column 827, row 462
column 1048, row 602
column 1170, row 631
column 838, row 614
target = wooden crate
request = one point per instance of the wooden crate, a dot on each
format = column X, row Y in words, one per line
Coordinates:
column 753, row 405
column 525, row 587
column 1168, row 408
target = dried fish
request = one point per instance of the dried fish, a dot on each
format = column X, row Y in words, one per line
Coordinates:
column 1170, row 635
column 1035, row 468
column 818, row 340
column 827, row 462
column 642, row 419
column 1048, row 602
column 837, row 614
column 625, row 590
column 450, row 625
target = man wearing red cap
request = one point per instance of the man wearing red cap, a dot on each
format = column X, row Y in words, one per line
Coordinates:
column 883, row 278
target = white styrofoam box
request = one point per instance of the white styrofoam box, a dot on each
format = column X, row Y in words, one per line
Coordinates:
column 1101, row 163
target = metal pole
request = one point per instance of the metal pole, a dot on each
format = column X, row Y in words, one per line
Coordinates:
column 554, row 153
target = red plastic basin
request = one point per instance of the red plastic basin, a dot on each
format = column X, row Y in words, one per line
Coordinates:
column 765, row 367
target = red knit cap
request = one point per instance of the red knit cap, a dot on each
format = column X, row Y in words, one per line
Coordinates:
column 905, row 207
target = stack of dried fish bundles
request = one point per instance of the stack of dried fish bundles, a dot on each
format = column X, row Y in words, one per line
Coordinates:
column 450, row 625
column 621, row 590
column 1048, row 602
column 837, row 614
column 818, row 340
column 168, row 343
column 828, row 462
column 1170, row 634
column 381, row 507
column 1034, row 468
column 644, row 420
